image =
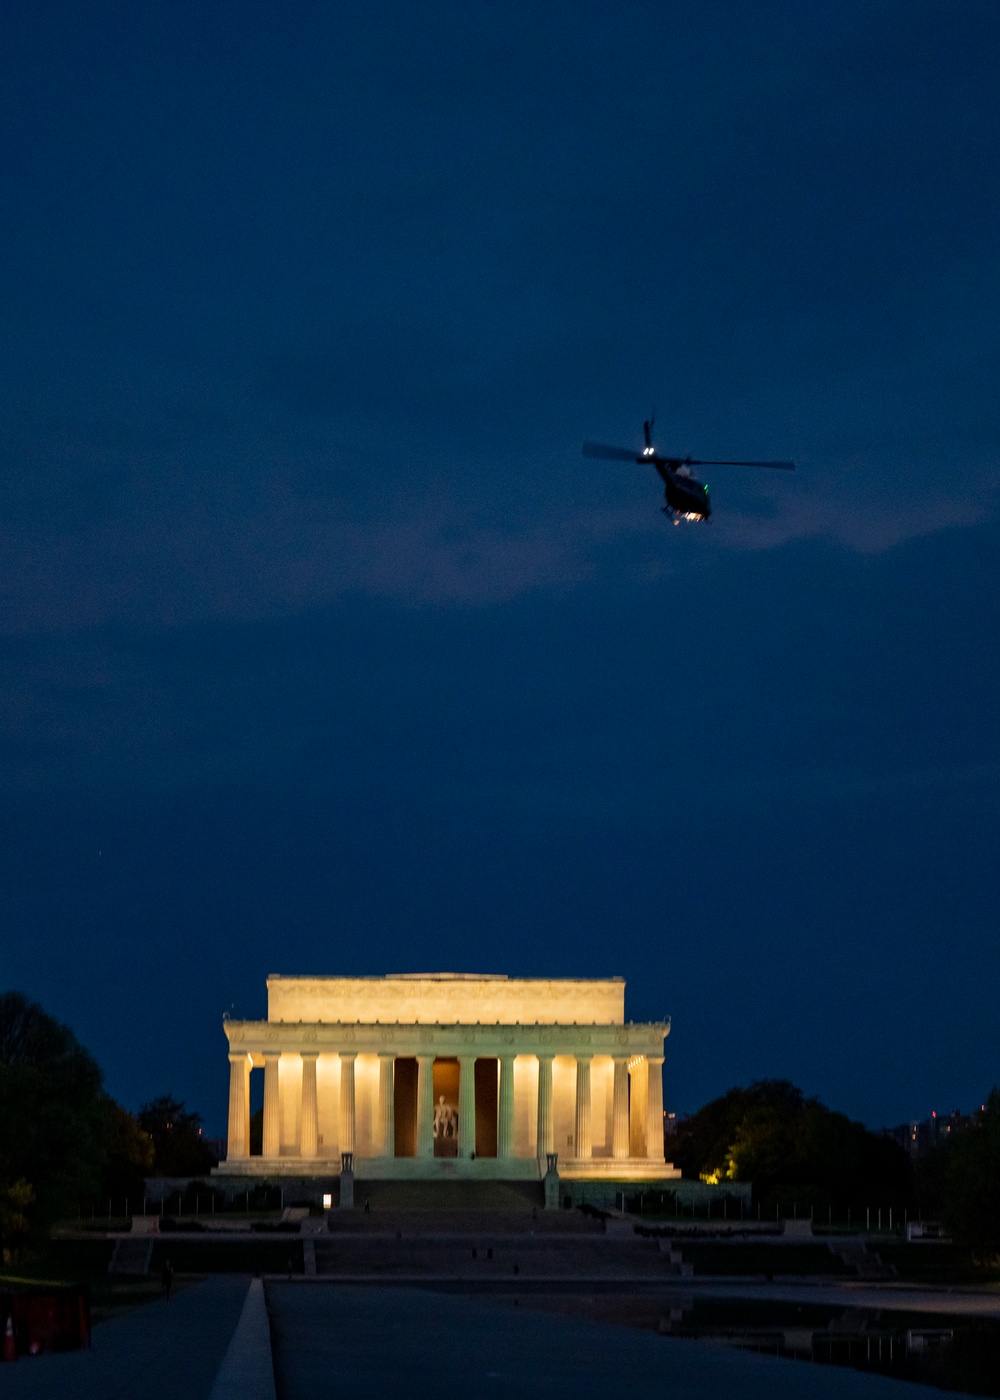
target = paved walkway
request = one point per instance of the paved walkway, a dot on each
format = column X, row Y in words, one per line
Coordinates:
column 340, row 1343
column 159, row 1351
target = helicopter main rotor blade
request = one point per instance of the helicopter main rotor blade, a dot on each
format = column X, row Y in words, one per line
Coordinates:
column 779, row 466
column 611, row 454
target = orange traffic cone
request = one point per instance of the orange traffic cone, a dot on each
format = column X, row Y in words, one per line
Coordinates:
column 9, row 1344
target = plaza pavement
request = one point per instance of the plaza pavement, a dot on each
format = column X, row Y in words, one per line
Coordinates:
column 350, row 1343
column 179, row 1350
column 213, row 1342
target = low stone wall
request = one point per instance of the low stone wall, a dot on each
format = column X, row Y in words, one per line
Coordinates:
column 310, row 1189
column 608, row 1195
column 602, row 1194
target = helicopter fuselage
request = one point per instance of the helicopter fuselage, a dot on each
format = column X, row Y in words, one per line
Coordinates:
column 686, row 497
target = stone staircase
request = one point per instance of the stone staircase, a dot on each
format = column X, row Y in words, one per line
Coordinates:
column 462, row 1222
column 857, row 1256
column 486, row 1259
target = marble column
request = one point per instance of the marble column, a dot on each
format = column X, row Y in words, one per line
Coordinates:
column 505, row 1109
column 583, row 1143
column 309, row 1117
column 619, row 1130
column 425, row 1105
column 272, row 1117
column 639, row 1076
column 386, row 1106
column 239, row 1106
column 466, row 1105
column 654, row 1109
column 545, row 1137
column 347, row 1101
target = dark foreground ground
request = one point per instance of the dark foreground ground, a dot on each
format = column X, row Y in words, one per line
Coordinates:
column 161, row 1351
column 367, row 1343
column 215, row 1341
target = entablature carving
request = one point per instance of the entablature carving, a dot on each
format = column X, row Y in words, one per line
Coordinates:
column 447, row 1040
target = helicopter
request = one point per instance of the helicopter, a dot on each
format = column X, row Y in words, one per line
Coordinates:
column 686, row 497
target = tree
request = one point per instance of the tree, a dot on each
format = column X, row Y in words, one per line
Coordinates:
column 178, row 1146
column 52, row 1114
column 792, row 1149
column 701, row 1144
column 972, row 1183
column 930, row 1175
column 128, row 1153
column 16, row 1199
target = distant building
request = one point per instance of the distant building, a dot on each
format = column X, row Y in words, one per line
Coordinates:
column 920, row 1136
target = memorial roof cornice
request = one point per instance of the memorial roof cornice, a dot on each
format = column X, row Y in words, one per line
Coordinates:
column 436, row 977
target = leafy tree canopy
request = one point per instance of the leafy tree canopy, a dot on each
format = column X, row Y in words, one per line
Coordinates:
column 791, row 1148
column 64, row 1143
column 972, row 1182
column 178, row 1146
column 52, row 1111
column 128, row 1153
column 16, row 1200
column 701, row 1144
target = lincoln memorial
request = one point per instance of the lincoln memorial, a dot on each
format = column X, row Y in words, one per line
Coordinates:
column 449, row 1075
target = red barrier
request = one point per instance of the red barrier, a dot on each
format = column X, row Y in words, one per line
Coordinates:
column 37, row 1320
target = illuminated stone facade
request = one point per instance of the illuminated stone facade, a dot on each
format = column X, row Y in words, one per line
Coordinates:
column 449, row 1075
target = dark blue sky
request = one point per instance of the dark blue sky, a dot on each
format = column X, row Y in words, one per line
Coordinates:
column 323, row 650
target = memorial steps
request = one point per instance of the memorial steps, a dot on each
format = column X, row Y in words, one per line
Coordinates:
column 470, row 1224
